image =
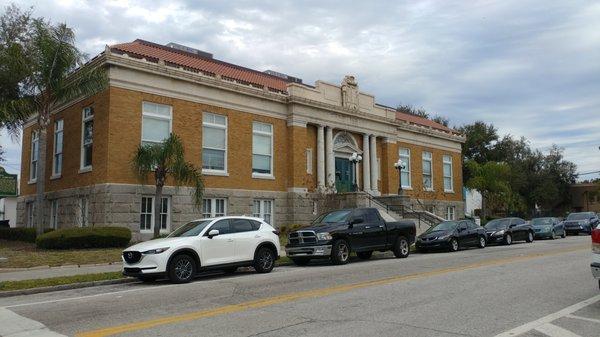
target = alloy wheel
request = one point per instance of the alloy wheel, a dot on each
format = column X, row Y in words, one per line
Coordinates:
column 183, row 269
column 404, row 247
column 454, row 244
column 482, row 242
column 343, row 251
column 266, row 259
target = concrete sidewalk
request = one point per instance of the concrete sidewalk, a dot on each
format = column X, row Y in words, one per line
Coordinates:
column 47, row 272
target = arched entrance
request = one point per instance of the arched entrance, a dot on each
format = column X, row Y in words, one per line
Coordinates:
column 345, row 171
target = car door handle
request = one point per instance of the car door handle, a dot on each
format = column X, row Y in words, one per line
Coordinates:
column 229, row 240
column 257, row 236
column 367, row 227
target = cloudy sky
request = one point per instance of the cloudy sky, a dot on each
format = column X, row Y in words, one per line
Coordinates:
column 532, row 68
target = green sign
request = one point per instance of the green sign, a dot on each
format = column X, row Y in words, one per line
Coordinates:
column 8, row 184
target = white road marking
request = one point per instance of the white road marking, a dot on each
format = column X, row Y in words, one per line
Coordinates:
column 555, row 331
column 584, row 318
column 547, row 319
column 15, row 325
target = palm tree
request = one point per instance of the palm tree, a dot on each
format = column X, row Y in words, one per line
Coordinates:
column 164, row 159
column 54, row 73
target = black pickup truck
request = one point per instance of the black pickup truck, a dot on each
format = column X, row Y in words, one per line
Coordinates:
column 336, row 234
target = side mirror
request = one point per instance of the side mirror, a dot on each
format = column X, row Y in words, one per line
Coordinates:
column 511, row 226
column 212, row 233
column 355, row 221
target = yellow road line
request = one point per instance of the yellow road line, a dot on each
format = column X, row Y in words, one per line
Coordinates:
column 307, row 294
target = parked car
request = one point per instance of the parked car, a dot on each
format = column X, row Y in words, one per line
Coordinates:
column 223, row 243
column 452, row 235
column 509, row 230
column 596, row 254
column 581, row 222
column 548, row 228
column 334, row 235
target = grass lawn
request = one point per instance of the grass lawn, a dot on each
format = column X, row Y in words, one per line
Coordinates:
column 25, row 255
column 54, row 281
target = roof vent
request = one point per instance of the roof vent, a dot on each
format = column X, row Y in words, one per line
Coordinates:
column 189, row 50
column 283, row 76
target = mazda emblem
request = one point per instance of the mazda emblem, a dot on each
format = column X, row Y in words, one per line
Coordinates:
column 130, row 255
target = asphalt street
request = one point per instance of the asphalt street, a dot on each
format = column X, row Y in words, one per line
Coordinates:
column 540, row 289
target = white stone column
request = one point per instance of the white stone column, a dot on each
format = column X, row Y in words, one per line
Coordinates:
column 320, row 157
column 374, row 168
column 329, row 157
column 366, row 164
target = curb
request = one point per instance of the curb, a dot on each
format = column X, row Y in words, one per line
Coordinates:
column 40, row 290
column 8, row 270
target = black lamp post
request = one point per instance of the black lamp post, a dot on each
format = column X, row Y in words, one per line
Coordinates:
column 355, row 158
column 399, row 165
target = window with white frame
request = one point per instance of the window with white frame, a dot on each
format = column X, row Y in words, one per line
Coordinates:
column 451, row 213
column 263, row 208
column 156, row 122
column 30, row 208
column 262, row 149
column 87, row 137
column 214, row 143
column 309, row 161
column 54, row 214
column 448, row 181
column 83, row 212
column 147, row 214
column 58, row 148
column 405, row 172
column 427, row 171
column 35, row 155
column 214, row 207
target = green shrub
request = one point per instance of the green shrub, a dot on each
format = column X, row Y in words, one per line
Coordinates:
column 18, row 234
column 88, row 237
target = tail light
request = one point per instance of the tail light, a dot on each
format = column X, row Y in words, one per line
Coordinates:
column 596, row 240
column 276, row 232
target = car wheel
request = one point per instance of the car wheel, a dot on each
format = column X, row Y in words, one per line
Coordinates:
column 553, row 235
column 482, row 242
column 264, row 260
column 564, row 235
column 401, row 248
column 508, row 239
column 147, row 278
column 453, row 245
column 340, row 252
column 230, row 270
column 364, row 255
column 182, row 269
column 529, row 237
column 300, row 261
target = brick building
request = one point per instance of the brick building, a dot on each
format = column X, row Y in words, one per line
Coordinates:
column 268, row 145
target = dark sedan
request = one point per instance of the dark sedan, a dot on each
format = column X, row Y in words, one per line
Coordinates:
column 582, row 222
column 508, row 230
column 548, row 228
column 452, row 235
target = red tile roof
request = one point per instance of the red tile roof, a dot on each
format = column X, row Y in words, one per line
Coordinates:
column 422, row 121
column 153, row 51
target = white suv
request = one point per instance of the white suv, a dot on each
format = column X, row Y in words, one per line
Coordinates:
column 223, row 243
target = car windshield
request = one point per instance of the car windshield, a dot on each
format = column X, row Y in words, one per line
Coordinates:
column 541, row 222
column 333, row 217
column 444, row 226
column 189, row 229
column 497, row 224
column 579, row 216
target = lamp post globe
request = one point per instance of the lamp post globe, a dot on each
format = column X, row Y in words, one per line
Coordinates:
column 400, row 165
column 355, row 158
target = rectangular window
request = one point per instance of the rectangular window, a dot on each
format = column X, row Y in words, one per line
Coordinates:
column 427, row 171
column 87, row 137
column 405, row 172
column 214, row 207
column 30, row 207
column 54, row 214
column 214, row 143
column 156, row 122
column 83, row 212
column 450, row 212
column 262, row 149
column 35, row 155
column 58, row 148
column 263, row 209
column 448, row 183
column 309, row 161
column 147, row 214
